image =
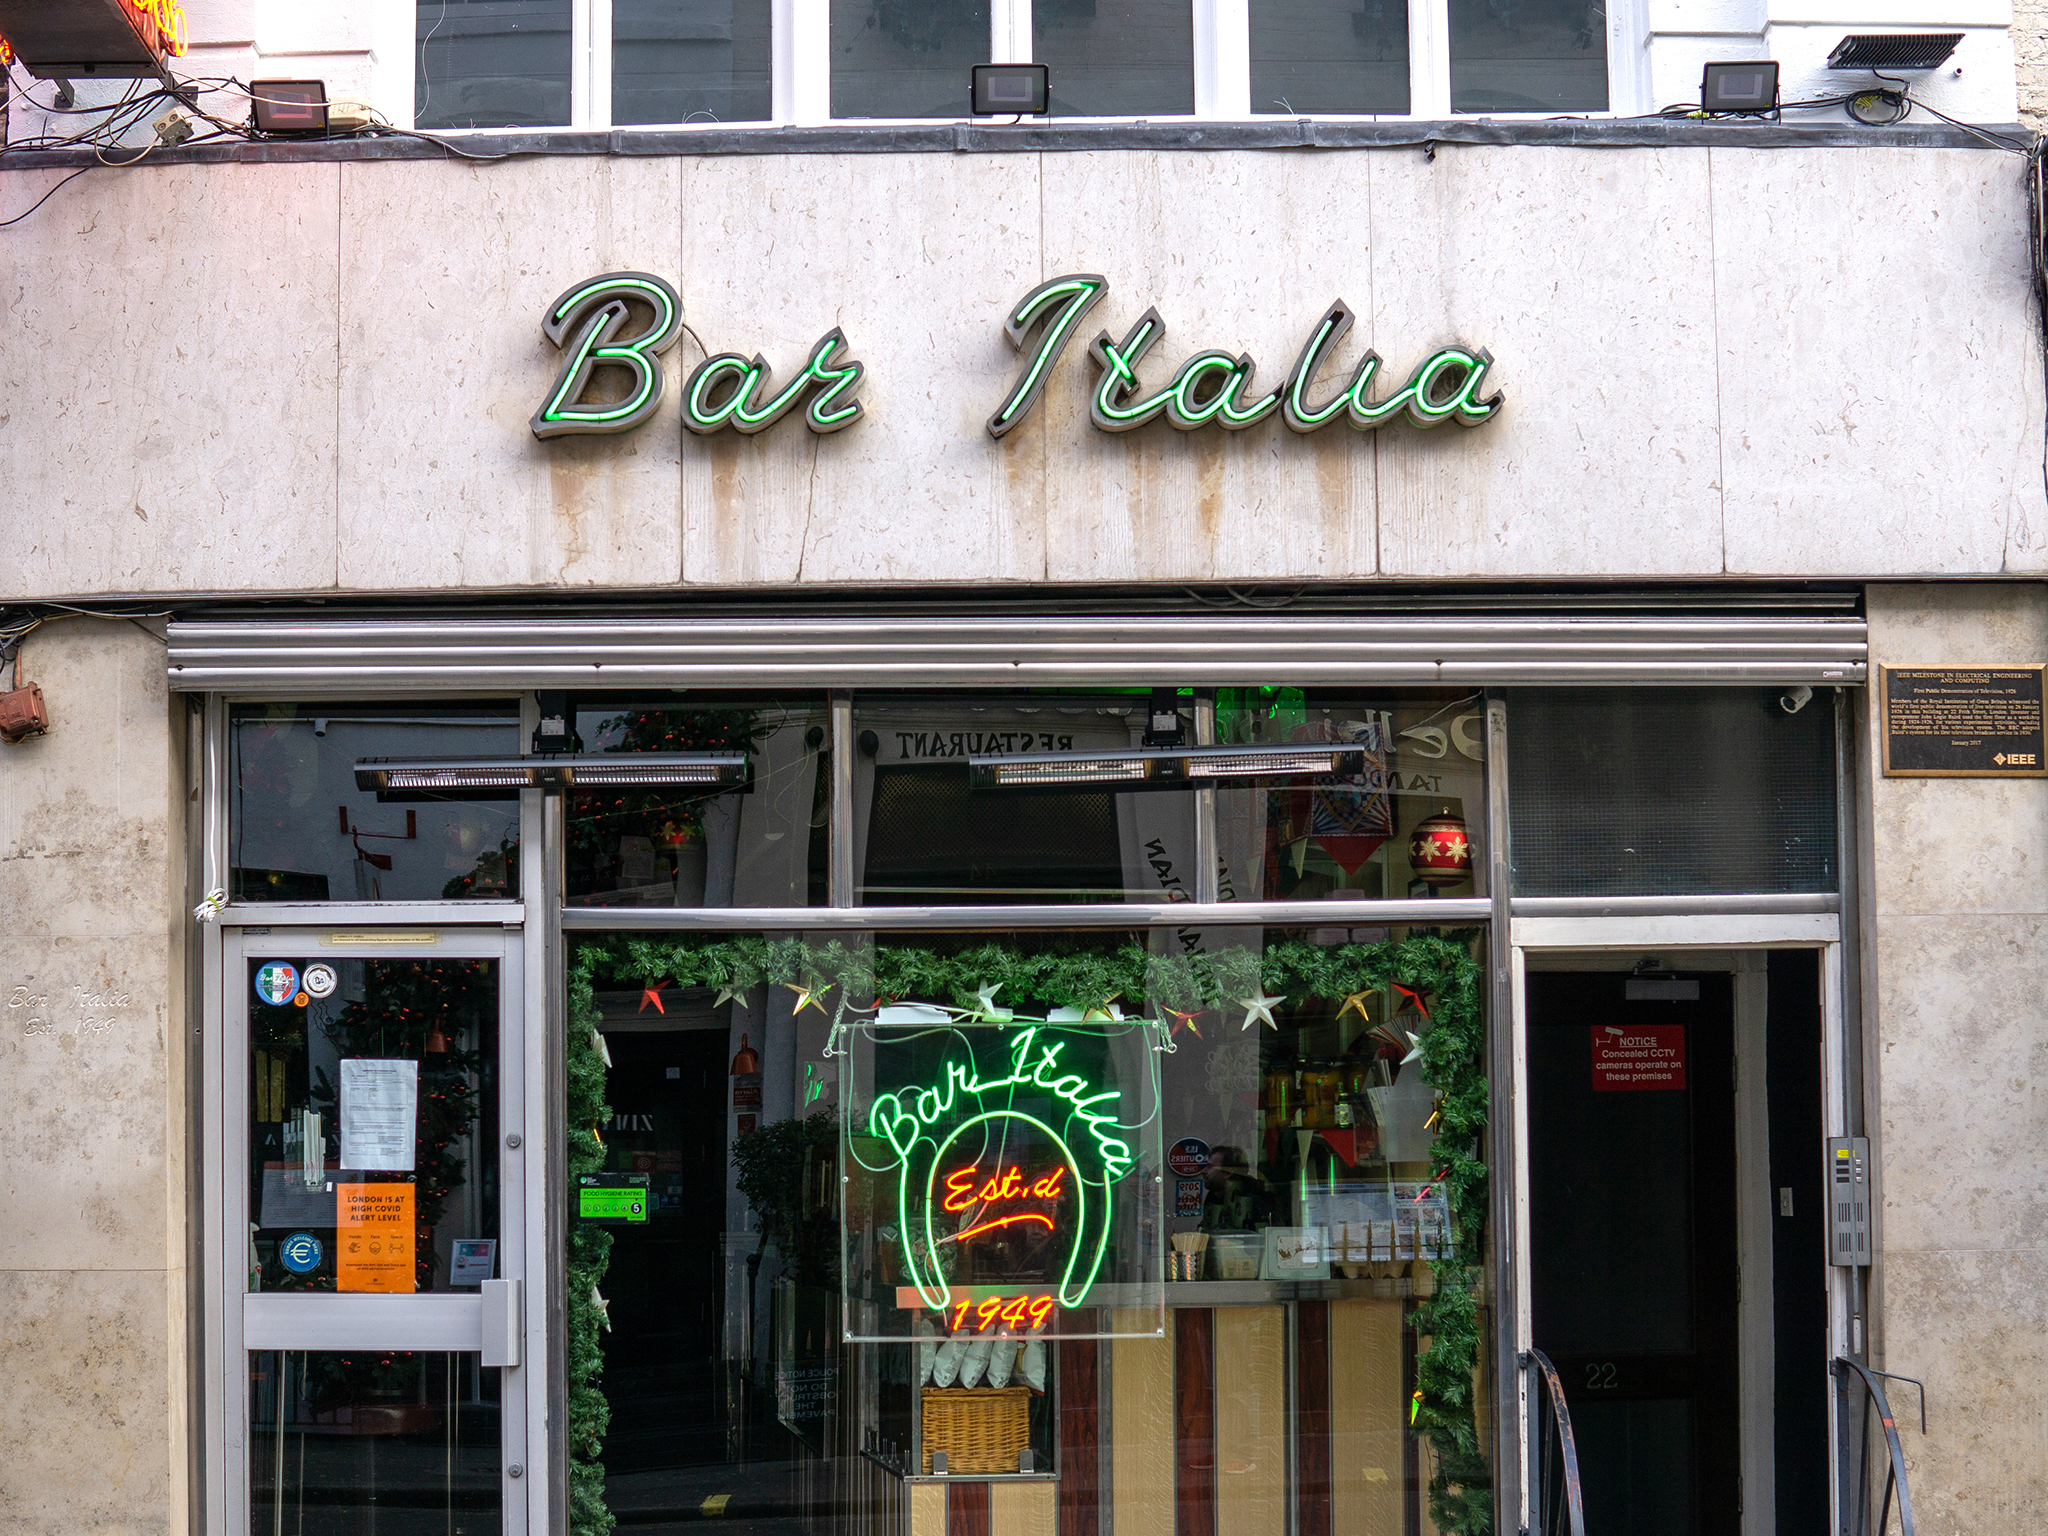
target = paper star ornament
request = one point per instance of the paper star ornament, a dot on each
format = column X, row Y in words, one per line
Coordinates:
column 1260, row 1010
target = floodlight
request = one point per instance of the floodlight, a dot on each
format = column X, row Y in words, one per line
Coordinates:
column 288, row 106
column 1879, row 52
column 1024, row 89
column 1742, row 85
column 499, row 778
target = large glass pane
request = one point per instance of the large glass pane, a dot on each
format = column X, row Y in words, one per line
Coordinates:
column 1117, row 58
column 396, row 1443
column 906, row 58
column 924, row 834
column 807, row 1353
column 690, row 61
column 1528, row 55
column 1684, row 791
column 373, row 1124
column 681, row 846
column 300, row 830
column 491, row 63
column 1329, row 56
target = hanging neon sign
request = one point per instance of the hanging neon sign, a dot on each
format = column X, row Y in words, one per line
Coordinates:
column 1213, row 387
column 1009, row 1175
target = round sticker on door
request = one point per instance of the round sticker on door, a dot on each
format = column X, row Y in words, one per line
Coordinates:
column 300, row 1252
column 277, row 983
column 1188, row 1157
column 319, row 980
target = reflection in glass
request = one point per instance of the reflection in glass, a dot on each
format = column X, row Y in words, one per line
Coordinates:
column 1329, row 56
column 682, row 847
column 491, row 63
column 402, row 1444
column 300, row 830
column 906, row 58
column 1528, row 55
column 372, row 1118
column 684, row 61
column 1117, row 58
column 922, row 835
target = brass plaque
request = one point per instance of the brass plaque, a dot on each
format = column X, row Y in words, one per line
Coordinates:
column 1963, row 722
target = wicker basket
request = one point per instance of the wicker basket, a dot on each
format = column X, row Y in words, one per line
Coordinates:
column 981, row 1429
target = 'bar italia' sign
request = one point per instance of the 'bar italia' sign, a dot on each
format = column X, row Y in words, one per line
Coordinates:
column 623, row 321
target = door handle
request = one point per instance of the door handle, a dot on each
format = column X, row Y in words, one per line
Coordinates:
column 504, row 1322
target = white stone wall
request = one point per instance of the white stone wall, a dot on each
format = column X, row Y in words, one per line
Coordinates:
column 1958, row 1091
column 1717, row 363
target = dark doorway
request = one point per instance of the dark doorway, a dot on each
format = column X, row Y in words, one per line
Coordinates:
column 1632, row 1222
column 1798, row 1241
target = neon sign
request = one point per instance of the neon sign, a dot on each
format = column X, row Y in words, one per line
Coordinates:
column 1213, row 387
column 1006, row 1166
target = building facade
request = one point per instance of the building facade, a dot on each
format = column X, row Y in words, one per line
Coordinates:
column 764, row 803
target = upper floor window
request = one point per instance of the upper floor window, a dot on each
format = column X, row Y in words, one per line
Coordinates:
column 513, row 63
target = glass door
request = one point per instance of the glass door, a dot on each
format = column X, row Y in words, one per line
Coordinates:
column 370, row 1232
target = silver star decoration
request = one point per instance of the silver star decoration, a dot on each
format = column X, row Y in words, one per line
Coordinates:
column 1414, row 1047
column 729, row 994
column 1260, row 1010
column 604, row 1308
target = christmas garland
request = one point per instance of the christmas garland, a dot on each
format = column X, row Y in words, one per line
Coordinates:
column 590, row 1251
column 1077, row 972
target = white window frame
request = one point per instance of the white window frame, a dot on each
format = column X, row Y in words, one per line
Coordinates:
column 801, row 66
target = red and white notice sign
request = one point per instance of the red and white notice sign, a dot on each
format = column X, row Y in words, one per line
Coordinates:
column 1641, row 1058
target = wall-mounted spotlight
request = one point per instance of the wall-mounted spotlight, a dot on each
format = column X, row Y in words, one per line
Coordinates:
column 1889, row 53
column 500, row 778
column 1161, row 767
column 288, row 106
column 1023, row 89
column 1746, row 86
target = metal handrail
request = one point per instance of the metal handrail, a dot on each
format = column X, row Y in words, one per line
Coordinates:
column 1896, row 1472
column 1543, row 1373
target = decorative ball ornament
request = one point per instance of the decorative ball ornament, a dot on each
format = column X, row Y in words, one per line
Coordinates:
column 1439, row 851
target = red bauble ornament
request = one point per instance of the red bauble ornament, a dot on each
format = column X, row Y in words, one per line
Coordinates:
column 1439, row 851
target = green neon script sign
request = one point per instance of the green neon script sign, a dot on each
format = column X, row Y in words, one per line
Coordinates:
column 1214, row 388
column 1024, row 1158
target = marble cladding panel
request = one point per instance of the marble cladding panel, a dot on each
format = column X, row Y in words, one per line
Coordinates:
column 1238, row 255
column 1881, row 414
column 1962, row 1081
column 175, row 429
column 1588, row 276
column 1971, row 1324
column 442, row 482
column 917, row 259
column 86, row 1360
column 1956, row 845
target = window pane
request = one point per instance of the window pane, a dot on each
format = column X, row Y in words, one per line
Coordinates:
column 373, row 1440
column 373, row 1105
column 681, row 846
column 1528, row 55
column 300, row 830
column 491, row 63
column 905, row 58
column 1687, row 791
column 684, row 61
column 1117, row 58
column 1329, row 56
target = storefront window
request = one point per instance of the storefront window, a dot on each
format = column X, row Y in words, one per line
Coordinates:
column 1681, row 791
column 682, row 847
column 905, row 58
column 1069, row 1210
column 1117, row 58
column 685, row 61
column 1528, row 55
column 1329, row 56
column 373, row 1094
column 300, row 830
column 373, row 1440
column 491, row 63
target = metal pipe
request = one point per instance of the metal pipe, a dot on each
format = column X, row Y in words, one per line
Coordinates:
column 839, row 860
column 1500, row 1052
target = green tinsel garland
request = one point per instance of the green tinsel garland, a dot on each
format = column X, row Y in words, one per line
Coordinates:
column 1070, row 971
column 590, row 1251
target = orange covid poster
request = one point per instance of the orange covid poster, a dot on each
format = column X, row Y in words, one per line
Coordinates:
column 373, row 1236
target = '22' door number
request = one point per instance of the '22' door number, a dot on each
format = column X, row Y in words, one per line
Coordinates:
column 1601, row 1377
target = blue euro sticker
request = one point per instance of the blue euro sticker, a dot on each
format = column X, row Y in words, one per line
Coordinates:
column 300, row 1252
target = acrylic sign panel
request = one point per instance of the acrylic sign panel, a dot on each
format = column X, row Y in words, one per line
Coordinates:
column 1002, row 1181
column 1641, row 1058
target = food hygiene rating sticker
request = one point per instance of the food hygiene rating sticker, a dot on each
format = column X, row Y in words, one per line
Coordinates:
column 277, row 983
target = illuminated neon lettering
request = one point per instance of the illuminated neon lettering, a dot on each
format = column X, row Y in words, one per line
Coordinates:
column 1060, row 306
column 725, row 391
column 592, row 326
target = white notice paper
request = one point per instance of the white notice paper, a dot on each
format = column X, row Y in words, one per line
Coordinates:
column 379, row 1108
